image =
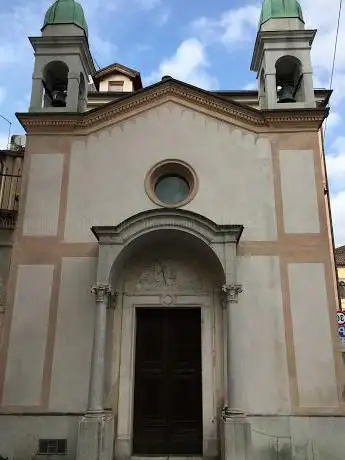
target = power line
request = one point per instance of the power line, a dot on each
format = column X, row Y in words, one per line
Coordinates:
column 97, row 65
column 9, row 129
column 336, row 44
column 334, row 55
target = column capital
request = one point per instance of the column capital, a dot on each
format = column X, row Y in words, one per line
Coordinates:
column 231, row 292
column 102, row 292
column 229, row 413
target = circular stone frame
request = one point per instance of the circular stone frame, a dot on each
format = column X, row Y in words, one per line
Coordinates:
column 166, row 167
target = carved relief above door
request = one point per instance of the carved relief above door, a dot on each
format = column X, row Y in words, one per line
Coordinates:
column 165, row 274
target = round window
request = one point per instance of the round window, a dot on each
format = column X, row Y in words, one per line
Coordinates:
column 171, row 189
column 171, row 183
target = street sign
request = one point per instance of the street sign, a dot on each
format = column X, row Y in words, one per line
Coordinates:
column 341, row 318
column 341, row 331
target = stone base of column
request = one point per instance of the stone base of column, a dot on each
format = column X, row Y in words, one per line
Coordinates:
column 96, row 437
column 236, row 437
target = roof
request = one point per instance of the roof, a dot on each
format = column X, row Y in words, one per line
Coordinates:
column 171, row 89
column 123, row 70
column 280, row 9
column 340, row 256
column 66, row 12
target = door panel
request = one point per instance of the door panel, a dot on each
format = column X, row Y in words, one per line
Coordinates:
column 168, row 393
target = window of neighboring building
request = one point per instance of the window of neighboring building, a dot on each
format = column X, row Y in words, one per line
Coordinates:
column 115, row 86
column 342, row 289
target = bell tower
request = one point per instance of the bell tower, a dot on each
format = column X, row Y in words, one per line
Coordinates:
column 63, row 61
column 282, row 58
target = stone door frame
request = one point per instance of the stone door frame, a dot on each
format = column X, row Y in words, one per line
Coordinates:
column 124, row 434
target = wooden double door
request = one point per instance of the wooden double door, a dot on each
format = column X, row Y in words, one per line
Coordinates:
column 168, row 384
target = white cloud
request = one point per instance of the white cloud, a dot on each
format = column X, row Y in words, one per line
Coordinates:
column 334, row 119
column 335, row 162
column 324, row 18
column 250, row 86
column 336, row 174
column 338, row 217
column 26, row 19
column 149, row 4
column 102, row 50
column 338, row 144
column 232, row 27
column 189, row 63
column 336, row 169
column 3, row 94
column 3, row 140
column 163, row 17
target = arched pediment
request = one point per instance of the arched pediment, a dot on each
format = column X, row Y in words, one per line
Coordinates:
column 118, row 243
column 166, row 219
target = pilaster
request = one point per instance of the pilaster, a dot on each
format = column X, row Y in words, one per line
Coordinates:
column 235, row 427
column 96, row 428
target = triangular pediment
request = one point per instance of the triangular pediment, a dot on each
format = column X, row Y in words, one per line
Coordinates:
column 119, row 69
column 171, row 90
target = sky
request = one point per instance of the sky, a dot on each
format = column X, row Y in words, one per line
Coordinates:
column 205, row 43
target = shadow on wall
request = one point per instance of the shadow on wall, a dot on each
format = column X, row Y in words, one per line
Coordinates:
column 268, row 446
column 277, row 450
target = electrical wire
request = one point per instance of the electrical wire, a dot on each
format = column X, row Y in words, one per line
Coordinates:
column 9, row 129
column 97, row 65
column 334, row 54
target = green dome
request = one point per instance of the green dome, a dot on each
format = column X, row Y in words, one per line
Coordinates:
column 66, row 12
column 275, row 9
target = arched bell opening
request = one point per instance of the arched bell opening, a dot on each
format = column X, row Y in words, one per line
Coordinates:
column 82, row 93
column 55, row 83
column 289, row 80
column 262, row 83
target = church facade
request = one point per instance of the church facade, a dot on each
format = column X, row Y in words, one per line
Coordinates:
column 172, row 289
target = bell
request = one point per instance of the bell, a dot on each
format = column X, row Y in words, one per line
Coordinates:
column 286, row 94
column 59, row 98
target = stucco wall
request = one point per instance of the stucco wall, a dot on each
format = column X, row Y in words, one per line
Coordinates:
column 98, row 179
column 300, row 438
column 312, row 336
column 28, row 336
column 43, row 196
column 74, row 335
column 19, row 435
column 261, row 382
column 127, row 83
column 300, row 208
column 108, row 170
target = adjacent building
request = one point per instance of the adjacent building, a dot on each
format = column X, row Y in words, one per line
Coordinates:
column 340, row 262
column 172, row 286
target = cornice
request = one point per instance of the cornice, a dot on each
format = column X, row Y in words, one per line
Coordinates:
column 312, row 117
column 264, row 38
column 174, row 91
column 116, row 68
column 39, row 45
column 167, row 219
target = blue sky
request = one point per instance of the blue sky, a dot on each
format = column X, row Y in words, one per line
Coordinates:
column 206, row 43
